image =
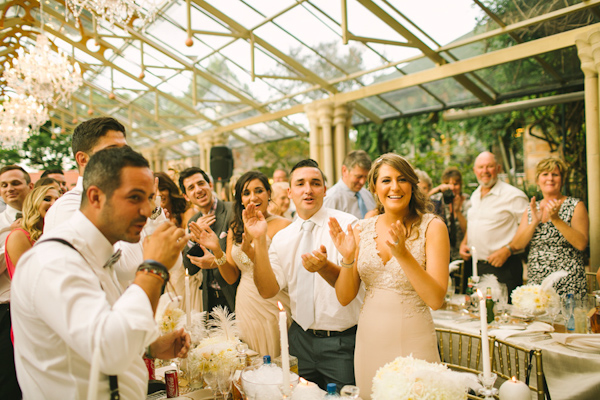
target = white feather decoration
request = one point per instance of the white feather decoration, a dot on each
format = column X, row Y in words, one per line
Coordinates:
column 489, row 281
column 223, row 324
column 198, row 329
column 551, row 279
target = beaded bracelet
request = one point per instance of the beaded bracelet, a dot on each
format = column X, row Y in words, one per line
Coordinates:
column 349, row 265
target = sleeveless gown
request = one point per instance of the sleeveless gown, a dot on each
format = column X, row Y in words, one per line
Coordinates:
column 394, row 320
column 257, row 318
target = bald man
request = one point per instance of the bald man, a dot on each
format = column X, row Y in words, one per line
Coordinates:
column 492, row 221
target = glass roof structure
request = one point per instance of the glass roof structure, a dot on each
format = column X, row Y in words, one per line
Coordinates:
column 253, row 65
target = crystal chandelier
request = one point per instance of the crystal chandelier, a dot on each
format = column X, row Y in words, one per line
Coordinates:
column 47, row 76
column 116, row 11
column 19, row 117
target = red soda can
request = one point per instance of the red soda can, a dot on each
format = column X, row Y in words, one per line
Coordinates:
column 172, row 383
column 150, row 365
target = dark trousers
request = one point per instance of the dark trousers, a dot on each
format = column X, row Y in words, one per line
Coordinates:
column 323, row 360
column 9, row 387
column 510, row 273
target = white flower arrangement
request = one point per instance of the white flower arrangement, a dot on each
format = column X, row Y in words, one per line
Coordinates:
column 169, row 316
column 535, row 299
column 409, row 378
column 218, row 350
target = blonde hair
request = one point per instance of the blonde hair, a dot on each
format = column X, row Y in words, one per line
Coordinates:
column 548, row 165
column 31, row 211
column 418, row 204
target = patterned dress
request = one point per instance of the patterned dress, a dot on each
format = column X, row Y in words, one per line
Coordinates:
column 549, row 252
column 394, row 320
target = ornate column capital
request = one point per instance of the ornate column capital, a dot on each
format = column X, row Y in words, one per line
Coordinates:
column 325, row 113
column 588, row 50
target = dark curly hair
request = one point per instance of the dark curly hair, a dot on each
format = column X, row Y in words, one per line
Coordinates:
column 237, row 224
column 178, row 203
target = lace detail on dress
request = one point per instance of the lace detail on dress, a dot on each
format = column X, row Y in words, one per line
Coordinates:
column 391, row 276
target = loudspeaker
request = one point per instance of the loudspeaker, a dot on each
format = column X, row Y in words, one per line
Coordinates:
column 221, row 163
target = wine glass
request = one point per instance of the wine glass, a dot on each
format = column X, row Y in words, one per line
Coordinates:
column 503, row 303
column 224, row 378
column 210, row 377
column 450, row 289
column 350, row 392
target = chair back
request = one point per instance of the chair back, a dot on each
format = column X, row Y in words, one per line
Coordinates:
column 460, row 351
column 510, row 360
column 592, row 282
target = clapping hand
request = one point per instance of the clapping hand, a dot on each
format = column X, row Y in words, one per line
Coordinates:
column 536, row 212
column 315, row 261
column 553, row 207
column 202, row 234
column 254, row 221
column 246, row 245
column 398, row 236
column 345, row 243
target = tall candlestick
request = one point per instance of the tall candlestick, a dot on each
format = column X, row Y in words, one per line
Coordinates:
column 485, row 343
column 188, row 302
column 474, row 258
column 285, row 351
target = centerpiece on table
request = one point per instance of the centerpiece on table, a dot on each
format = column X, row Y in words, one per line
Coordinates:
column 409, row 378
column 216, row 353
column 534, row 300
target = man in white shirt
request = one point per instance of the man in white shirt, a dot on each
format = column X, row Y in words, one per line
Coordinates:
column 15, row 184
column 323, row 332
column 492, row 221
column 69, row 308
column 349, row 194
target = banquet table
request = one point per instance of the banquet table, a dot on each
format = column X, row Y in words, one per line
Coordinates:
column 570, row 374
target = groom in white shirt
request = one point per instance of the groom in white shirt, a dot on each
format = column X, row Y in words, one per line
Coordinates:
column 303, row 259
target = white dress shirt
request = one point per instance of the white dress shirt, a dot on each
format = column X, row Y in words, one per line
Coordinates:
column 329, row 313
column 340, row 197
column 132, row 254
column 7, row 217
column 64, row 207
column 493, row 221
column 64, row 303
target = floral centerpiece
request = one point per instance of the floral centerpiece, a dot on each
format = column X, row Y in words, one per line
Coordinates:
column 409, row 378
column 535, row 299
column 217, row 350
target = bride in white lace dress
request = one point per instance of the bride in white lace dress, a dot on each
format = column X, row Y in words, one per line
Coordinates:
column 402, row 257
column 257, row 318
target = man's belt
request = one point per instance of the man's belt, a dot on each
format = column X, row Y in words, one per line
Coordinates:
column 323, row 334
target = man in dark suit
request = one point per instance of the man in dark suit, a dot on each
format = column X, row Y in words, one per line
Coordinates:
column 197, row 188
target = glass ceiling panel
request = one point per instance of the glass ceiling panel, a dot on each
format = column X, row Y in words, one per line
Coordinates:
column 449, row 91
column 238, row 11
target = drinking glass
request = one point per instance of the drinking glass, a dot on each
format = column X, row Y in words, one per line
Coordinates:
column 349, row 392
column 210, row 378
column 567, row 309
column 450, row 289
column 553, row 309
column 224, row 379
column 503, row 303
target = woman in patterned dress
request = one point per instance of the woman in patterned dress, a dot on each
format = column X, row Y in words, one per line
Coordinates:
column 402, row 258
column 556, row 229
column 257, row 318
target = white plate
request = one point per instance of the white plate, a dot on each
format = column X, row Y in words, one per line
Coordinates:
column 445, row 315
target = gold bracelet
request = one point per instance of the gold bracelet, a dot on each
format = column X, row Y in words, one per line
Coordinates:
column 222, row 260
column 349, row 265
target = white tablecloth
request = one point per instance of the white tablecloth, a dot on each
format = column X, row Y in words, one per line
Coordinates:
column 570, row 374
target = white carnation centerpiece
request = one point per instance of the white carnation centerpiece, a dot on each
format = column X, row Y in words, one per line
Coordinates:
column 535, row 299
column 409, row 378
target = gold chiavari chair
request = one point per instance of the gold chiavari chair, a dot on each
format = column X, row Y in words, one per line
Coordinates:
column 461, row 351
column 510, row 360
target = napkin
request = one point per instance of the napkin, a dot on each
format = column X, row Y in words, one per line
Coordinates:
column 535, row 327
column 578, row 341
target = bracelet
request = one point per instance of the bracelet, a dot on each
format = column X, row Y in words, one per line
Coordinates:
column 222, row 260
column 509, row 249
column 348, row 265
column 155, row 268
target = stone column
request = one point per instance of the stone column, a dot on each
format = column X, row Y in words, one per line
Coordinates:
column 588, row 48
column 325, row 113
column 313, row 138
column 342, row 115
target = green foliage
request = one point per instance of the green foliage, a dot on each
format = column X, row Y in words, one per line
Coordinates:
column 41, row 151
column 283, row 154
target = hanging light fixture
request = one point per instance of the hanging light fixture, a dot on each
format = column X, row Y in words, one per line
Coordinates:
column 19, row 117
column 116, row 11
column 47, row 76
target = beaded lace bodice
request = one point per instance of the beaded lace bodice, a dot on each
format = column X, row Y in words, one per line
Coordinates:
column 390, row 276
